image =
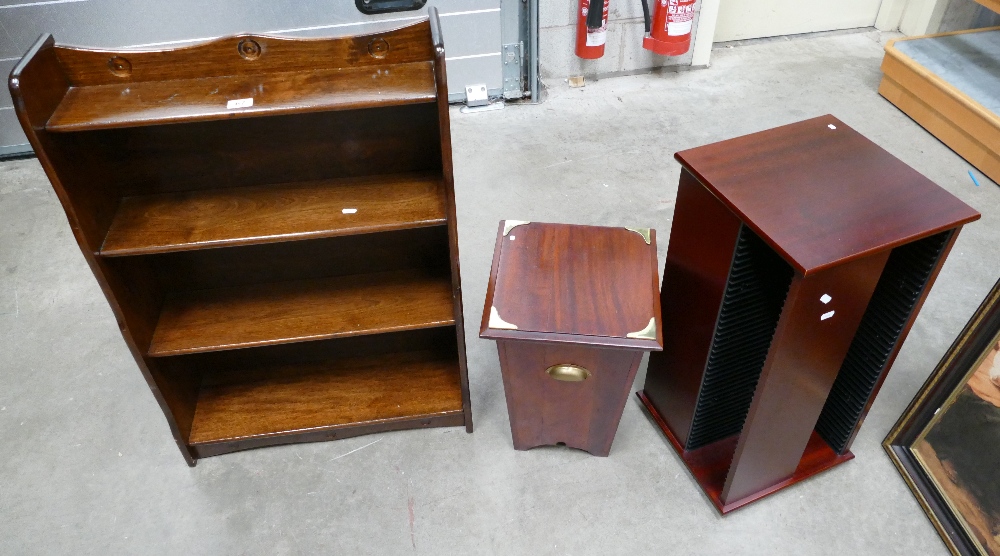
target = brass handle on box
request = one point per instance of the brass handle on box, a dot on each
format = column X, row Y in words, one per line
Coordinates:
column 568, row 373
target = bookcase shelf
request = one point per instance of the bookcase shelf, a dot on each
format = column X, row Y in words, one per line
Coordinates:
column 207, row 98
column 228, row 217
column 286, row 312
column 326, row 396
column 284, row 268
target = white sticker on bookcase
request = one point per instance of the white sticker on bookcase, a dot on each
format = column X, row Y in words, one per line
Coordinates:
column 825, row 316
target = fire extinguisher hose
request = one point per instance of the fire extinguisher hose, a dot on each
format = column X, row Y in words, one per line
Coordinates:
column 645, row 15
column 595, row 17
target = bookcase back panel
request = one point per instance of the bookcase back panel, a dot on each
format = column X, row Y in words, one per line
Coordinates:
column 260, row 151
column 142, row 283
column 755, row 292
column 218, row 367
column 420, row 248
column 899, row 289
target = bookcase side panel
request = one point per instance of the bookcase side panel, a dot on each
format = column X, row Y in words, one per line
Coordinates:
column 37, row 86
column 447, row 170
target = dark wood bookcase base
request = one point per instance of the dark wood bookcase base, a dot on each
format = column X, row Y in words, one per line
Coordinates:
column 709, row 464
column 452, row 419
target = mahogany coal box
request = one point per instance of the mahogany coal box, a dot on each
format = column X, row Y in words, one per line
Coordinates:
column 573, row 309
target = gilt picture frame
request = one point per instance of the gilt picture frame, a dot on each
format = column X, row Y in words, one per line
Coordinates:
column 946, row 445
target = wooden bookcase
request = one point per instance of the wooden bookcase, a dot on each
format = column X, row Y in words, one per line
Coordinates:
column 283, row 271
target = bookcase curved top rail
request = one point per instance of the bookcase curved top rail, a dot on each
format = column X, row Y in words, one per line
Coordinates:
column 246, row 54
column 238, row 76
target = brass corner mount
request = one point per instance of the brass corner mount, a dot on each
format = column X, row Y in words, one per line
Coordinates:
column 509, row 225
column 644, row 232
column 648, row 333
column 498, row 323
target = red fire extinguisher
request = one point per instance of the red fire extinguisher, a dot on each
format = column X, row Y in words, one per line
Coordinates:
column 669, row 31
column 591, row 29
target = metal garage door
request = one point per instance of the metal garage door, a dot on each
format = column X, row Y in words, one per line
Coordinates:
column 471, row 28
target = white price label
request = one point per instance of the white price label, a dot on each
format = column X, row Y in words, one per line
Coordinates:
column 597, row 38
column 239, row 103
column 679, row 28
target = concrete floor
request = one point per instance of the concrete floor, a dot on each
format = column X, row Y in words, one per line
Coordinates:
column 88, row 464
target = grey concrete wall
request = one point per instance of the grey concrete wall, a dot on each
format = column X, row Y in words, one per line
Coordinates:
column 623, row 53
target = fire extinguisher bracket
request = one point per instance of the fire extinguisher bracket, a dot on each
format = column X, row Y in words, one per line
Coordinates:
column 661, row 47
